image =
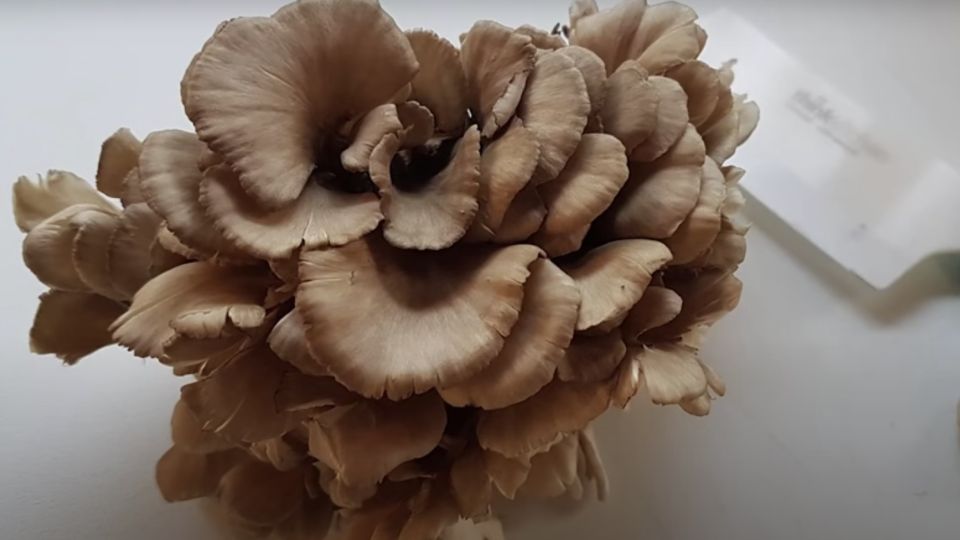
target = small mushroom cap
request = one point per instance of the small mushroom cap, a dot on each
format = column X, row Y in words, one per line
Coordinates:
column 381, row 317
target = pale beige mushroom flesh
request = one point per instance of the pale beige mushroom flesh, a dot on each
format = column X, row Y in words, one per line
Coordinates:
column 405, row 274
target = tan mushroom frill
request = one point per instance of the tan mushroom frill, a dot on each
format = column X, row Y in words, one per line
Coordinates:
column 405, row 276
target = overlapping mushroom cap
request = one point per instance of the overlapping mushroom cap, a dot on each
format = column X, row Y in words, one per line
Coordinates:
column 407, row 276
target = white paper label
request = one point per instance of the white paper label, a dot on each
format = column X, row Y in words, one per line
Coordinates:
column 830, row 169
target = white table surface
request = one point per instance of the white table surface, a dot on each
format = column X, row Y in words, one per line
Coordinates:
column 841, row 416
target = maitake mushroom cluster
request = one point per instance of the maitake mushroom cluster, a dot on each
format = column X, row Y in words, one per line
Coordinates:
column 406, row 276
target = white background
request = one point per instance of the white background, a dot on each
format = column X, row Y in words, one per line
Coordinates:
column 840, row 421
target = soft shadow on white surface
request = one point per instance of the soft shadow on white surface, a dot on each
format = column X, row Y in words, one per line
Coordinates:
column 930, row 279
column 840, row 417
